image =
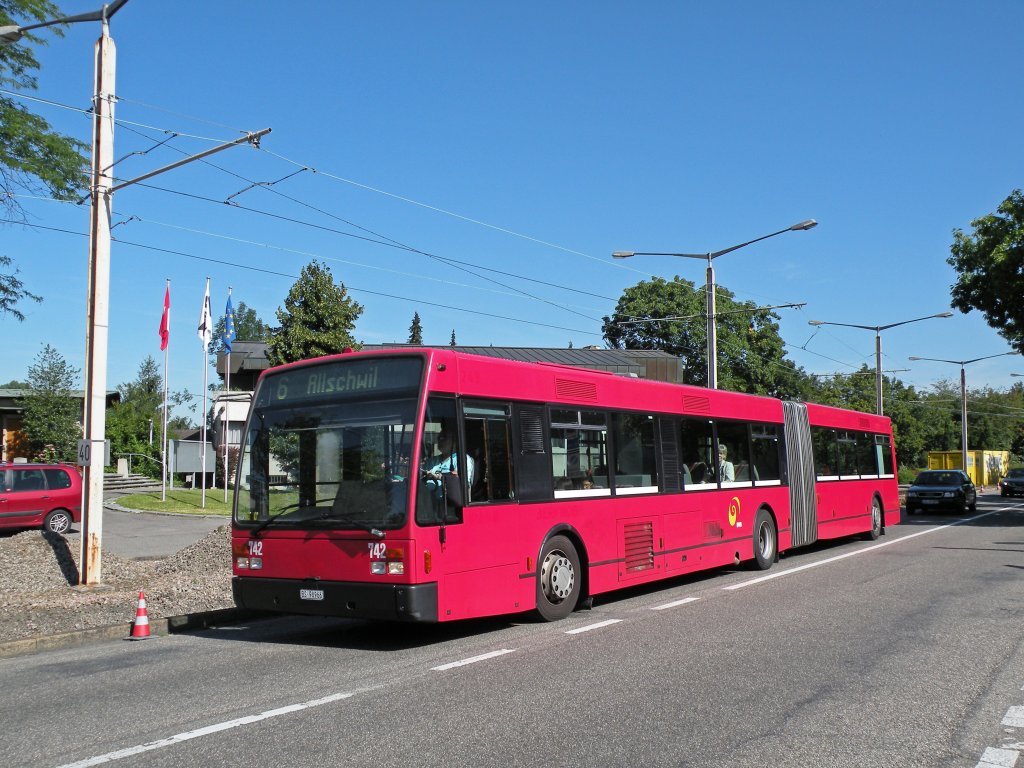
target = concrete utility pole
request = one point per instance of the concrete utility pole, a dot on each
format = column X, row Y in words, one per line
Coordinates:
column 91, row 449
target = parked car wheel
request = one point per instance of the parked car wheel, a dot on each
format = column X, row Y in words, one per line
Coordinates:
column 58, row 521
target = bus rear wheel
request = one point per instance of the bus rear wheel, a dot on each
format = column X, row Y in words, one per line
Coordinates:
column 558, row 579
column 766, row 540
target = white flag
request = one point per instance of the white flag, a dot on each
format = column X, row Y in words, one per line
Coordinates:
column 205, row 330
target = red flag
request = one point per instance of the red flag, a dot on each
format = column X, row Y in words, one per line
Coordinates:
column 165, row 330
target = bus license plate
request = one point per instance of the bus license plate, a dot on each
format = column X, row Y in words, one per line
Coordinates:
column 311, row 594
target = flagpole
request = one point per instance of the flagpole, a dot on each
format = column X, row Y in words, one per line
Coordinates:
column 165, row 329
column 205, row 333
column 228, row 336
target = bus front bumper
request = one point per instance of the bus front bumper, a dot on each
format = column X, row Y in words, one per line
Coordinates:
column 386, row 602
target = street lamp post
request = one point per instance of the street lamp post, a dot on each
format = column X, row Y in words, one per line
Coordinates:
column 712, row 334
column 963, row 395
column 878, row 346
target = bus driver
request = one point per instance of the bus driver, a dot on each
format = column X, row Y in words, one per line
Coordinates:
column 449, row 463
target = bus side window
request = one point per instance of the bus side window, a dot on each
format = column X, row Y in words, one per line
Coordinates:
column 764, row 453
column 488, row 442
column 826, row 457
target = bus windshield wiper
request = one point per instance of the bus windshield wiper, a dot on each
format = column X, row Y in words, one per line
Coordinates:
column 348, row 518
column 284, row 510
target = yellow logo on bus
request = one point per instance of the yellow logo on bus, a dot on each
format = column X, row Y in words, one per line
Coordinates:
column 734, row 510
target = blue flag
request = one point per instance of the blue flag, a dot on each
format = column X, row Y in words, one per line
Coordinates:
column 229, row 326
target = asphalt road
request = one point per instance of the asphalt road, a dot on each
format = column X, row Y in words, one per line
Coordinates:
column 906, row 651
column 151, row 535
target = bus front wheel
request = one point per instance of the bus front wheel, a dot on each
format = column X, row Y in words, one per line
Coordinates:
column 876, row 520
column 766, row 540
column 558, row 579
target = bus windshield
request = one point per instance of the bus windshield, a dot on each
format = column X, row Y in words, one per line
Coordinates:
column 336, row 461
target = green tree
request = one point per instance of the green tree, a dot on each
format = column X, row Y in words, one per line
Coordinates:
column 52, row 412
column 33, row 157
column 131, row 421
column 670, row 316
column 12, row 290
column 184, row 400
column 248, row 327
column 317, row 319
column 416, row 330
column 988, row 264
column 138, row 416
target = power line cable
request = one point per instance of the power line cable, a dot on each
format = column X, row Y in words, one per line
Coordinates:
column 418, row 300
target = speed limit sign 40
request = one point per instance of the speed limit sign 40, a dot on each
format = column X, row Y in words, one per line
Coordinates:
column 84, row 453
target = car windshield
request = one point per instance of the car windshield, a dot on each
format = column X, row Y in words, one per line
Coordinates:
column 1016, row 473
column 939, row 478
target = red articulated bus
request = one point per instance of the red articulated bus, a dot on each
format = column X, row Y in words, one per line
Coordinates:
column 433, row 485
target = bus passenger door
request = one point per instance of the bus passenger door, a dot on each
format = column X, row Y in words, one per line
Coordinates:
column 481, row 553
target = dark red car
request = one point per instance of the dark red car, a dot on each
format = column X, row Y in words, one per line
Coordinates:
column 45, row 496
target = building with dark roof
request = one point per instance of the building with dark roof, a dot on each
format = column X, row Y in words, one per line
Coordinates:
column 249, row 359
column 12, row 440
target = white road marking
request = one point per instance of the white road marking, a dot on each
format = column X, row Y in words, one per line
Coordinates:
column 797, row 569
column 674, row 604
column 473, row 660
column 998, row 758
column 589, row 627
column 1014, row 717
column 207, row 730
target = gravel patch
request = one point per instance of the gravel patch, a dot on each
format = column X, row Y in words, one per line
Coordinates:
column 39, row 571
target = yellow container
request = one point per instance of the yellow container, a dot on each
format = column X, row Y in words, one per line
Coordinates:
column 983, row 467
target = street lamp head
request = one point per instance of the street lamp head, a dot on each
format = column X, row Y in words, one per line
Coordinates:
column 945, row 314
column 809, row 224
column 10, row 35
column 623, row 254
column 816, row 322
column 916, row 358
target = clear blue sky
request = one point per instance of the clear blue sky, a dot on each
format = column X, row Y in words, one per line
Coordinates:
column 535, row 139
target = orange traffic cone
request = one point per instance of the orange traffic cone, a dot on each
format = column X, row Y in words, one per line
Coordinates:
column 140, row 629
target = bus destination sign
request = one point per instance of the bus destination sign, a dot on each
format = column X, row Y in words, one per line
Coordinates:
column 341, row 380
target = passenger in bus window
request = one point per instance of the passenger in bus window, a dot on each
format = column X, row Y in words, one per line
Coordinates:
column 726, row 471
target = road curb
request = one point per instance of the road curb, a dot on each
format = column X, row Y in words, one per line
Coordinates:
column 164, row 626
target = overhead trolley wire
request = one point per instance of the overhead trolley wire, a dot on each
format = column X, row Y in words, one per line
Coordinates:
column 291, row 276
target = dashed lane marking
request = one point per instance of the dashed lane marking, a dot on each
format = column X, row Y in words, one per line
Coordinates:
column 1014, row 717
column 110, row 757
column 998, row 758
column 674, row 604
column 473, row 660
column 589, row 627
column 901, row 539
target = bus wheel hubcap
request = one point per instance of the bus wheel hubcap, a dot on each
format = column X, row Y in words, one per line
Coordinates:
column 557, row 576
